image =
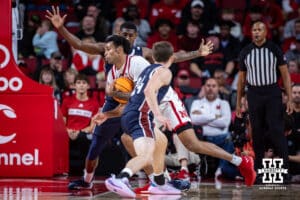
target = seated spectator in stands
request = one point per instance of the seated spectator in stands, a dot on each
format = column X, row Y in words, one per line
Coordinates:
column 102, row 25
column 131, row 13
column 166, row 9
column 289, row 27
column 227, row 14
column 47, row 78
column 25, row 44
column 189, row 41
column 117, row 25
column 201, row 13
column 294, row 54
column 88, row 29
column 294, row 137
column 214, row 115
column 225, row 91
column 55, row 63
column 143, row 7
column 229, row 46
column 44, row 41
column 78, row 111
column 290, row 42
column 88, row 64
column 69, row 80
column 205, row 67
column 164, row 31
column 182, row 85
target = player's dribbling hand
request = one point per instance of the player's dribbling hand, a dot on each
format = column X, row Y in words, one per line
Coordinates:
column 99, row 118
column 55, row 17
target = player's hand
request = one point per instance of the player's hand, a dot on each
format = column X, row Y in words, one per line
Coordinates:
column 238, row 111
column 206, row 49
column 164, row 122
column 109, row 89
column 55, row 17
column 289, row 107
column 99, row 118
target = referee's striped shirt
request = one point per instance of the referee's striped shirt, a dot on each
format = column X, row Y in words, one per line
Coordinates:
column 261, row 63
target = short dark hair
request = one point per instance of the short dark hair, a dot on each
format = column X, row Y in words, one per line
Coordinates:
column 128, row 25
column 82, row 77
column 162, row 51
column 119, row 41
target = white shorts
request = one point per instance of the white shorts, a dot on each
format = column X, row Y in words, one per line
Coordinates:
column 174, row 110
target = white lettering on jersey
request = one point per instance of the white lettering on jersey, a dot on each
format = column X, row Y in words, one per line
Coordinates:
column 80, row 112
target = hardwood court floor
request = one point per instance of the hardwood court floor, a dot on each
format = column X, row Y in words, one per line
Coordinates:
column 56, row 188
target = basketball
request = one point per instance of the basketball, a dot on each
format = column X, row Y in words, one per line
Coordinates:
column 123, row 84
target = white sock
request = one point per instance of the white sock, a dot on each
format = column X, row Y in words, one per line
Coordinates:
column 151, row 178
column 236, row 160
column 167, row 175
column 88, row 177
column 128, row 171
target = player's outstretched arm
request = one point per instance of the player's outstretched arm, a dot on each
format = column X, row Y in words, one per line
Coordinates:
column 58, row 22
column 204, row 50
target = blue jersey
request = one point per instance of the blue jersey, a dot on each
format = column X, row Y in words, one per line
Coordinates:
column 137, row 101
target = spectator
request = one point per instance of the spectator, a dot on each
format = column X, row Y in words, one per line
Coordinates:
column 199, row 12
column 69, row 80
column 164, row 31
column 117, row 25
column 87, row 64
column 289, row 27
column 25, row 45
column 182, row 85
column 205, row 67
column 214, row 115
column 47, row 78
column 166, row 9
column 55, row 64
column 294, row 137
column 131, row 13
column 290, row 42
column 102, row 25
column 294, row 54
column 88, row 29
column 45, row 40
column 78, row 111
column 227, row 15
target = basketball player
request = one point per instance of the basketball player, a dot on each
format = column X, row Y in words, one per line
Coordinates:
column 154, row 88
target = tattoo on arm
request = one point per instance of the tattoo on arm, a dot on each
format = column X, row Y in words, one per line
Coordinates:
column 183, row 56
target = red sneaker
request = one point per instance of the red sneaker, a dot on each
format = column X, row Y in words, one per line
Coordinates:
column 142, row 190
column 247, row 170
column 183, row 175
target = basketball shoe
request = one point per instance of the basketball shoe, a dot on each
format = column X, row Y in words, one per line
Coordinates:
column 247, row 170
column 163, row 189
column 80, row 185
column 119, row 186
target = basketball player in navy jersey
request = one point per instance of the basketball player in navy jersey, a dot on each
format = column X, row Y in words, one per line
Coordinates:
column 158, row 91
column 127, row 30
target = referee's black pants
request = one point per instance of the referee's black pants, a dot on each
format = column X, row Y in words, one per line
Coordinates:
column 266, row 118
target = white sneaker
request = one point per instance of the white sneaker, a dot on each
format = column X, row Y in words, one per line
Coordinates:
column 163, row 189
column 119, row 186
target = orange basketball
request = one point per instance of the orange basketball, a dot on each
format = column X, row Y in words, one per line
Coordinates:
column 123, row 84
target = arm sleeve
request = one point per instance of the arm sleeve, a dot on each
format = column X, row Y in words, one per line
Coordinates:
column 225, row 118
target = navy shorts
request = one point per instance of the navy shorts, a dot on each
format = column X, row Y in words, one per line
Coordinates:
column 102, row 134
column 137, row 124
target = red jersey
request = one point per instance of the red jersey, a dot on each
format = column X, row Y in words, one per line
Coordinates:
column 78, row 113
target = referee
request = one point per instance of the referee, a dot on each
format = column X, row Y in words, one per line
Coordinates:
column 261, row 64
